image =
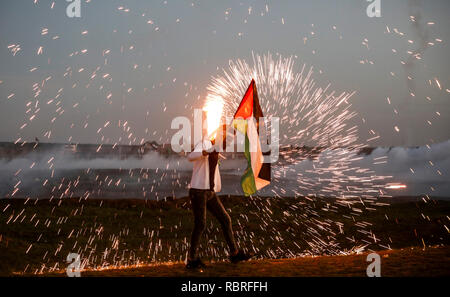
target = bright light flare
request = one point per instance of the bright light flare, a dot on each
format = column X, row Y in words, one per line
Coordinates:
column 396, row 186
column 214, row 109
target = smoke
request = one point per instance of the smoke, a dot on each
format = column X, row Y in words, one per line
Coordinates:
column 58, row 173
column 59, row 159
column 424, row 170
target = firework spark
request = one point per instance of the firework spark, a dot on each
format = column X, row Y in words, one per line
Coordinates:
column 315, row 121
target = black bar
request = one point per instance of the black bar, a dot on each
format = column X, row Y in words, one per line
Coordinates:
column 230, row 286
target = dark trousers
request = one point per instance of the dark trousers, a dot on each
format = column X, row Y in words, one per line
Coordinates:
column 200, row 201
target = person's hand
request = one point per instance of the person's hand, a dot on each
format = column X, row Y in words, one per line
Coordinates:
column 204, row 153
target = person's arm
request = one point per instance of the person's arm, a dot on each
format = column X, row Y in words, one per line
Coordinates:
column 197, row 153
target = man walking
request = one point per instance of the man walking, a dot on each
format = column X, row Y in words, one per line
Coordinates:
column 205, row 182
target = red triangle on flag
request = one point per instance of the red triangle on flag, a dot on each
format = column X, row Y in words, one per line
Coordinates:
column 245, row 109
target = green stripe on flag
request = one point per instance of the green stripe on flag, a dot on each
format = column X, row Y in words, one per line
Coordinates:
column 248, row 178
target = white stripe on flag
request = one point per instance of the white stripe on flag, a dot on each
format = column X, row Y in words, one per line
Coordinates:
column 255, row 152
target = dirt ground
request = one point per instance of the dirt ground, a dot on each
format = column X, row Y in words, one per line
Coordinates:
column 408, row 262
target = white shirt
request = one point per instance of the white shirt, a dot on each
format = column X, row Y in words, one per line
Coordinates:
column 200, row 172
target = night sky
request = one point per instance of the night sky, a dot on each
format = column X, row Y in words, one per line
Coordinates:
column 153, row 60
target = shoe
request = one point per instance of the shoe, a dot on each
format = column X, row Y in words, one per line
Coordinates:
column 240, row 256
column 194, row 264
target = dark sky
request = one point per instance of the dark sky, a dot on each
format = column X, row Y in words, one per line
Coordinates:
column 156, row 58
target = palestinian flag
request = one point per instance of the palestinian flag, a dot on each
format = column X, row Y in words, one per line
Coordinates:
column 246, row 121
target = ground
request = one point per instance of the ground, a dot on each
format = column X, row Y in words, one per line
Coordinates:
column 37, row 235
column 410, row 262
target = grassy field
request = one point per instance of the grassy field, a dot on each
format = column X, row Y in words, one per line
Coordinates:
column 37, row 235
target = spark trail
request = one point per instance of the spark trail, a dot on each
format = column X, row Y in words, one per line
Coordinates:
column 318, row 121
